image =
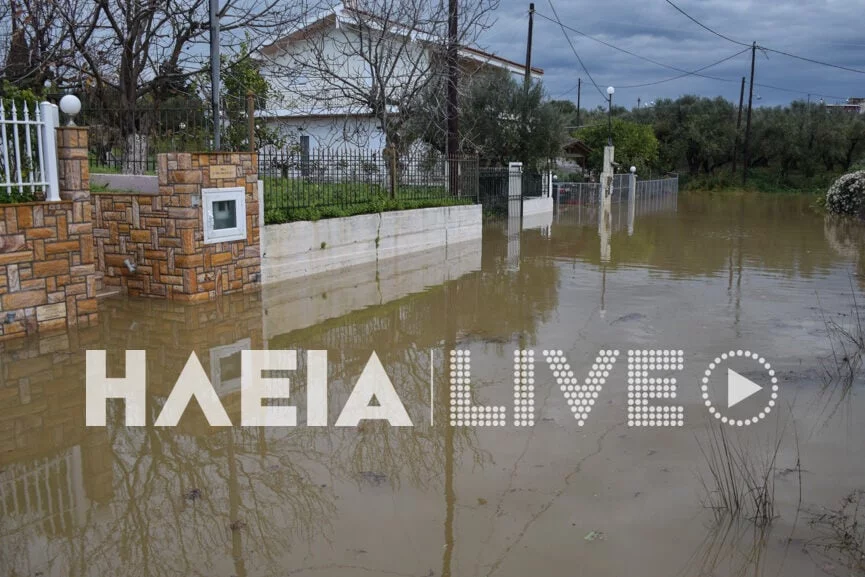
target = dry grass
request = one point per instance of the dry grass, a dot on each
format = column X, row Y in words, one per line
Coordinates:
column 841, row 533
column 842, row 368
column 740, row 483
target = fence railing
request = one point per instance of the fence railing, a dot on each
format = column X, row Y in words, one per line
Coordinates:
column 494, row 186
column 325, row 178
column 127, row 140
column 28, row 159
column 588, row 193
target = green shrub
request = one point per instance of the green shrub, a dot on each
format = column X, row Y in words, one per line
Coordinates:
column 372, row 206
column 14, row 197
column 847, row 194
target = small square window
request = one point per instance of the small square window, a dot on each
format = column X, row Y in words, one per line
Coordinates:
column 224, row 214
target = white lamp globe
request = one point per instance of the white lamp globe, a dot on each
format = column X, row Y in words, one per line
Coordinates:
column 633, row 170
column 611, row 90
column 70, row 105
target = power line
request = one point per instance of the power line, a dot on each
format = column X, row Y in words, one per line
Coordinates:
column 571, row 44
column 811, row 60
column 701, row 25
column 770, row 87
column 692, row 73
column 628, row 52
column 766, row 48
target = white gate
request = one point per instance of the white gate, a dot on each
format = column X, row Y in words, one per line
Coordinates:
column 28, row 149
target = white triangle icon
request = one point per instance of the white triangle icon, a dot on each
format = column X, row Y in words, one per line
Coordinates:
column 739, row 388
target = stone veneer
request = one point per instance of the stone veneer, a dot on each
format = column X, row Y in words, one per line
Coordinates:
column 48, row 276
column 164, row 233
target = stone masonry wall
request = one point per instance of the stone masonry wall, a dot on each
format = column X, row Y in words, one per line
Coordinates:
column 163, row 234
column 47, row 272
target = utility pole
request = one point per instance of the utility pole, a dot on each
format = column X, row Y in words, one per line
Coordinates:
column 738, row 124
column 579, row 92
column 453, row 80
column 214, row 72
column 528, row 79
column 747, row 157
column 250, row 119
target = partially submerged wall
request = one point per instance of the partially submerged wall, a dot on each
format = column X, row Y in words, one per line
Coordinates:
column 300, row 249
column 162, row 235
column 47, row 272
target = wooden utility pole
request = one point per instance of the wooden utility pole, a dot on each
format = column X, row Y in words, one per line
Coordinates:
column 747, row 156
column 579, row 91
column 250, row 119
column 528, row 78
column 453, row 141
column 738, row 124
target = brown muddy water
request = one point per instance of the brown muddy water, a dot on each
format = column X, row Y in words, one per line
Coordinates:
column 700, row 274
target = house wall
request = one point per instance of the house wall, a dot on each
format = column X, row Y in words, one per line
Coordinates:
column 343, row 133
column 296, row 74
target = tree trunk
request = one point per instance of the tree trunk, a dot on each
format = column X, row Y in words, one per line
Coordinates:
column 135, row 154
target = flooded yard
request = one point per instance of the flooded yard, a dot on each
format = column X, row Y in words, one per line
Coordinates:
column 701, row 274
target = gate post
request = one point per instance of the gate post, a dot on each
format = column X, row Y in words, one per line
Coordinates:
column 50, row 122
column 515, row 189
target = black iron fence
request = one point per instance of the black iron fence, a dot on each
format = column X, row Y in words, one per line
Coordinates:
column 494, row 187
column 295, row 179
column 127, row 141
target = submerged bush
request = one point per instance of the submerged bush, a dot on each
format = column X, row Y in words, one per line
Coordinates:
column 847, row 194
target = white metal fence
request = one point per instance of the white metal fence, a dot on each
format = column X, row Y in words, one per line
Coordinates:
column 589, row 193
column 28, row 149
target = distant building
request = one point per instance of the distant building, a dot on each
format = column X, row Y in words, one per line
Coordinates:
column 853, row 104
column 319, row 110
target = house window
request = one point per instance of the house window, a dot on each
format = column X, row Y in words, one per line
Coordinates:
column 224, row 214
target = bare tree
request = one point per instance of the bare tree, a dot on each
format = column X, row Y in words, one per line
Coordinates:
column 32, row 40
column 373, row 57
column 134, row 49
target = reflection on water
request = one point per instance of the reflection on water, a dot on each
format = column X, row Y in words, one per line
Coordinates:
column 701, row 273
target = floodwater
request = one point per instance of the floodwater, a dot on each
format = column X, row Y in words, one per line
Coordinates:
column 700, row 274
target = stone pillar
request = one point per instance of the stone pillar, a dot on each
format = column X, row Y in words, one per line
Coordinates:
column 74, row 180
column 74, row 172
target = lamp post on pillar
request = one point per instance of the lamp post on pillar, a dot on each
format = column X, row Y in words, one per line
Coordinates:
column 610, row 92
column 607, row 173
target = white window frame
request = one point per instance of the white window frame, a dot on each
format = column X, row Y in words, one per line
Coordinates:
column 211, row 195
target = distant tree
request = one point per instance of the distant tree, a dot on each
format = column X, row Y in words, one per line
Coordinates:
column 242, row 76
column 635, row 144
column 499, row 120
column 32, row 42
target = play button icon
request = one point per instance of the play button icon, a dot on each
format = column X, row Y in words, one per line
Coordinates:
column 739, row 388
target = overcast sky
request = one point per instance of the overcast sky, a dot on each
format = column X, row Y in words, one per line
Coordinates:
column 827, row 30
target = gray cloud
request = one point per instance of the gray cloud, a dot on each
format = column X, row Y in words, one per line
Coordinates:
column 827, row 30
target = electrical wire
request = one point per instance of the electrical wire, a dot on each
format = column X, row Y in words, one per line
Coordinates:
column 628, row 52
column 692, row 73
column 770, row 87
column 571, row 44
column 811, row 60
column 701, row 25
column 761, row 47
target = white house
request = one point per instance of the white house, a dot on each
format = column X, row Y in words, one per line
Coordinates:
column 345, row 73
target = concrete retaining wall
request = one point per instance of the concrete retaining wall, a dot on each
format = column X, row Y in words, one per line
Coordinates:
column 298, row 249
column 541, row 205
column 142, row 183
column 300, row 303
